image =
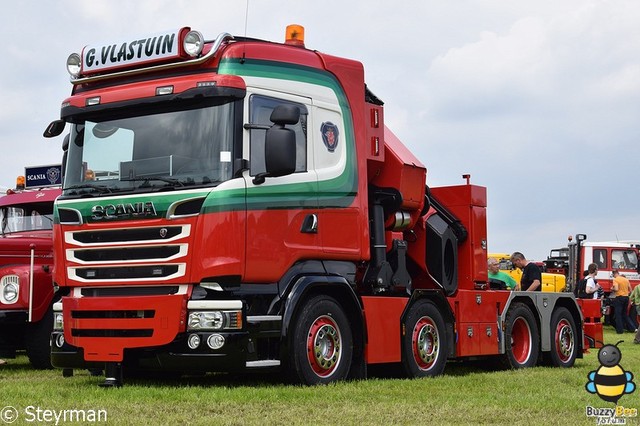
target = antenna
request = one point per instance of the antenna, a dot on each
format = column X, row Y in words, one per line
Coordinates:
column 246, row 18
column 246, row 23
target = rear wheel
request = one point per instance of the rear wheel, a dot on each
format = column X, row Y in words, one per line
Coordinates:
column 424, row 343
column 563, row 338
column 322, row 345
column 521, row 338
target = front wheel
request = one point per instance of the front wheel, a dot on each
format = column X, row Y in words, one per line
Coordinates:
column 37, row 341
column 322, row 345
column 563, row 338
column 424, row 343
column 521, row 338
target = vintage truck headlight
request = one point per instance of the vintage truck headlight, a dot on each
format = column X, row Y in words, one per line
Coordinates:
column 10, row 285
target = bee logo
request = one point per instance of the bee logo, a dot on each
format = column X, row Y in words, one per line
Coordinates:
column 610, row 381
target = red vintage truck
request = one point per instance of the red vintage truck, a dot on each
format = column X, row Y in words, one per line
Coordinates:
column 239, row 205
column 26, row 265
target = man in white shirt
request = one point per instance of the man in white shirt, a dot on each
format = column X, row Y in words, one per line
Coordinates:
column 592, row 285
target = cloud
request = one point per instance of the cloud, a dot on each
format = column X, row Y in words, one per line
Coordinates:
column 538, row 100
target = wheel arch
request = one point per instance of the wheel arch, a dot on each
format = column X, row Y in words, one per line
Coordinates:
column 440, row 302
column 578, row 319
column 339, row 289
column 542, row 305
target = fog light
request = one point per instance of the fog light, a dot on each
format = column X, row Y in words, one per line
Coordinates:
column 193, row 341
column 215, row 341
column 60, row 340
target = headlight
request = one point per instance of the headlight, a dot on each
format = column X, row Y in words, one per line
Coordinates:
column 214, row 320
column 58, row 322
column 10, row 289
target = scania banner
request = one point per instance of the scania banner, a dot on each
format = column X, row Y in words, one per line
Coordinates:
column 40, row 176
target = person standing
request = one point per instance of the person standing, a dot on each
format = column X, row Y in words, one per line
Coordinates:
column 531, row 279
column 495, row 273
column 621, row 287
column 635, row 299
column 592, row 285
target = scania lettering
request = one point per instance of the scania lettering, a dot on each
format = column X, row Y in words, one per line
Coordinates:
column 111, row 211
column 289, row 228
column 27, row 292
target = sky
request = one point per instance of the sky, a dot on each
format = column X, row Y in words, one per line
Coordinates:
column 539, row 100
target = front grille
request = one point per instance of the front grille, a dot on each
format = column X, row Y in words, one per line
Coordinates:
column 135, row 255
column 127, row 272
column 126, row 253
column 113, row 314
column 112, row 333
column 128, row 291
column 160, row 233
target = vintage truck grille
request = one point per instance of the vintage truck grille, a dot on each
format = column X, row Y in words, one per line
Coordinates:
column 145, row 254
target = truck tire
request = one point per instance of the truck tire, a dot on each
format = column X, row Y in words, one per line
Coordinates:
column 424, row 343
column 563, row 339
column 37, row 338
column 322, row 345
column 521, row 338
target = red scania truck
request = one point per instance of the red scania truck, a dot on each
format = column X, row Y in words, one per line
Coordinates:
column 26, row 261
column 238, row 204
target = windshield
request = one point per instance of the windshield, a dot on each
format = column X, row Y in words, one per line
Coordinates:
column 26, row 218
column 167, row 149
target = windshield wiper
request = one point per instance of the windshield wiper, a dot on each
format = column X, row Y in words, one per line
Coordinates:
column 174, row 182
column 100, row 188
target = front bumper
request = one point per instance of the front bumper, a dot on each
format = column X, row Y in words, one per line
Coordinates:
column 176, row 356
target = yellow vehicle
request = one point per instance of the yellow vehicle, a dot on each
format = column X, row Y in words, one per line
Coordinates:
column 550, row 282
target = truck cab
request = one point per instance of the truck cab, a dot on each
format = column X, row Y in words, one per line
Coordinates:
column 26, row 269
column 607, row 255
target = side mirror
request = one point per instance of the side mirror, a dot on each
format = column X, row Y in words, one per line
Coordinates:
column 280, row 144
column 54, row 129
column 65, row 149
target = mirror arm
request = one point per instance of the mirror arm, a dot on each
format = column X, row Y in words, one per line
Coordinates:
column 251, row 126
column 260, row 178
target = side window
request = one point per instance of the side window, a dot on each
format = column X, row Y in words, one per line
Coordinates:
column 260, row 108
column 624, row 259
column 600, row 258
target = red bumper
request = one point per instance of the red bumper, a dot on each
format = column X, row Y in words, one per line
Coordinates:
column 105, row 326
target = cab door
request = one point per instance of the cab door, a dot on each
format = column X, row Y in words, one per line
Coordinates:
column 281, row 211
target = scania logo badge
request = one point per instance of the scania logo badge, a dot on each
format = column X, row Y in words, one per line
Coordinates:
column 163, row 232
column 144, row 209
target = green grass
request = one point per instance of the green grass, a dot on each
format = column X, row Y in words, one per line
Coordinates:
column 469, row 393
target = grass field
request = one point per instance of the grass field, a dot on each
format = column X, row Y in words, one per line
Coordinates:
column 466, row 394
